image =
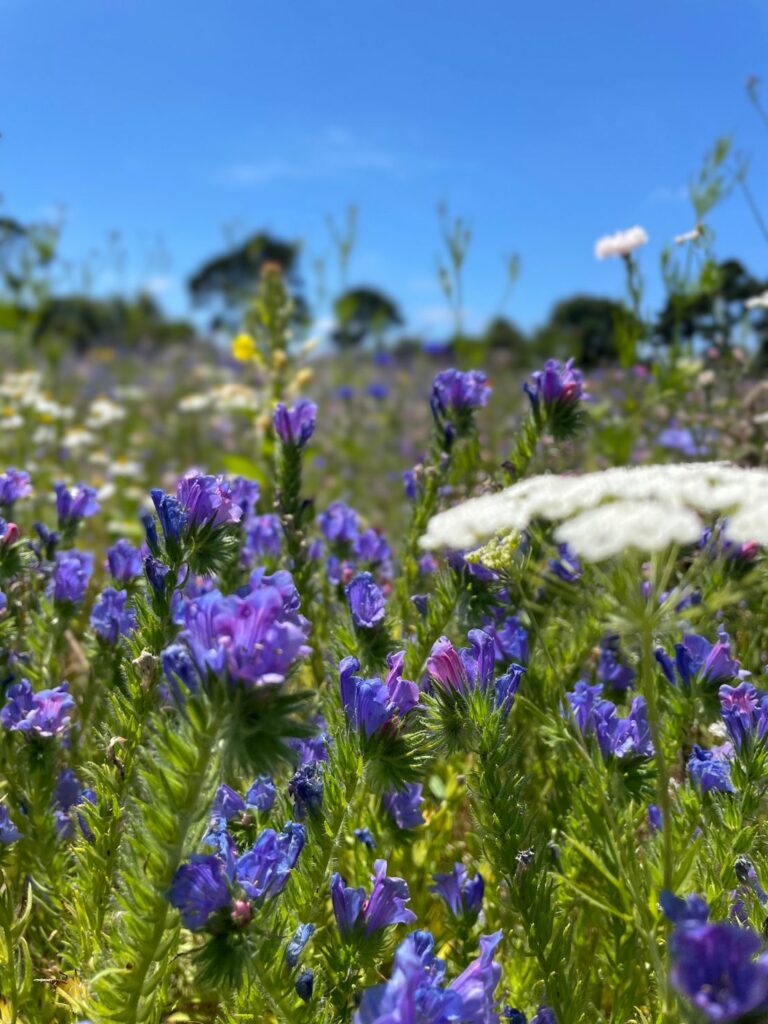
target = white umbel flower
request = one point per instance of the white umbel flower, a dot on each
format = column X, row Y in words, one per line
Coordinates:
column 758, row 301
column 622, row 243
column 600, row 514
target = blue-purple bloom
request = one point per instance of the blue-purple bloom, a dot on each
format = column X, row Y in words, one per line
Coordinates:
column 264, row 536
column 45, row 713
column 366, row 837
column 306, row 788
column 124, row 561
column 295, row 426
column 404, row 805
column 691, row 910
column 566, row 566
column 367, row 604
column 612, row 671
column 370, row 703
column 75, row 504
column 386, row 904
column 253, row 639
column 265, row 868
column 712, row 663
column 112, row 616
column 555, row 386
column 454, row 391
column 620, row 737
column 745, row 713
column 14, row 484
column 295, row 947
column 261, row 793
column 8, row 831
column 207, row 501
column 715, row 970
column 71, row 575
column 476, row 985
column 199, row 890
column 227, row 804
column 710, row 769
column 463, row 895
column 339, row 523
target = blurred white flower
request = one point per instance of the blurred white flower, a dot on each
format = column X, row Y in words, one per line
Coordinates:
column 78, row 438
column 104, row 412
column 194, row 403
column 688, row 236
column 758, row 301
column 622, row 243
column 645, row 507
column 11, row 422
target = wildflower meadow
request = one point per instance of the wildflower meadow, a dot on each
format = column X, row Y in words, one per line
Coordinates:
column 346, row 681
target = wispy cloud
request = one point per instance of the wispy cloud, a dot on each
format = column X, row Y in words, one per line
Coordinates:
column 335, row 154
column 669, row 194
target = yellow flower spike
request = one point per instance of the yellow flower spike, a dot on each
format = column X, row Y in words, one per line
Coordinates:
column 244, row 348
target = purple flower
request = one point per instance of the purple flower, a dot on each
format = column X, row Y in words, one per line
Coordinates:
column 246, row 494
column 173, row 518
column 555, row 386
column 370, row 703
column 366, row 837
column 124, row 561
column 295, row 426
column 712, row 662
column 157, row 574
column 372, row 547
column 306, row 788
column 617, row 736
column 111, row 616
column 691, row 910
column 476, row 985
column 466, row 669
column 264, row 536
column 511, row 639
column 506, row 686
column 207, row 501
column 710, row 770
column 339, row 523
column 544, row 1015
column 655, row 818
column 14, row 484
column 253, row 639
column 366, row 601
column 566, row 567
column 714, row 968
column 8, row 831
column 463, row 895
column 71, row 575
column 75, row 504
column 295, row 947
column 404, row 805
column 261, row 793
column 45, row 713
column 610, row 670
column 199, row 890
column 745, row 712
column 455, row 392
column 265, row 868
column 385, row 905
column 227, row 804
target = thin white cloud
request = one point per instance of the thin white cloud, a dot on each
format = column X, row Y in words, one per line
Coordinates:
column 669, row 194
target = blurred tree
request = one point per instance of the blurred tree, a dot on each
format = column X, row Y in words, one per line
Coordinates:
column 582, row 327
column 83, row 322
column 711, row 315
column 502, row 334
column 228, row 281
column 363, row 313
column 27, row 252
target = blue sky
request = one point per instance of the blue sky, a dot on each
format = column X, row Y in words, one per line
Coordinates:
column 544, row 124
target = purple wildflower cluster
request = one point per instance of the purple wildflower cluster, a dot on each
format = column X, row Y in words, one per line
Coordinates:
column 473, row 667
column 617, row 736
column 698, row 659
column 386, row 905
column 370, row 704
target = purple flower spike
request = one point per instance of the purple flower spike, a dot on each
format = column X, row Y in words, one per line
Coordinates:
column 463, row 895
column 556, row 385
column 386, row 904
column 454, row 391
column 404, row 805
column 266, row 867
column 295, row 426
column 75, row 504
column 714, row 968
column 366, row 600
column 44, row 714
column 112, row 617
column 71, row 575
column 124, row 561
column 199, row 889
column 14, row 484
column 477, row 985
column 207, row 501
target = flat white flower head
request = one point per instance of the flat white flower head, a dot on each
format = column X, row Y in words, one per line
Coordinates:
column 601, row 514
column 622, row 243
column 758, row 301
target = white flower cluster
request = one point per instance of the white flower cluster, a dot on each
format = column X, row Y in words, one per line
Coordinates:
column 602, row 514
column 758, row 301
column 622, row 243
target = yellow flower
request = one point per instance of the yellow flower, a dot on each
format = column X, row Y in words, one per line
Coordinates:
column 244, row 348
